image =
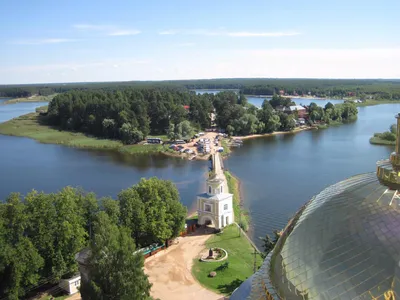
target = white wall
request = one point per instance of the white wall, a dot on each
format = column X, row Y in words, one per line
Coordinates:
column 70, row 285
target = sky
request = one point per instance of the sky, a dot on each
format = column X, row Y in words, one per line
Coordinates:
column 45, row 41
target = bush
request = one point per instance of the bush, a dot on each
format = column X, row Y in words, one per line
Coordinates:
column 388, row 136
column 244, row 224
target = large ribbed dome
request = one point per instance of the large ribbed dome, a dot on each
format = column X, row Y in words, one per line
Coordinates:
column 345, row 244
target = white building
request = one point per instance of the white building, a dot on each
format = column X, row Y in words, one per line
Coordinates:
column 215, row 207
column 71, row 285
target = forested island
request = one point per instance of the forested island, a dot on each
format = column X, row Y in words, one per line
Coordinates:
column 106, row 119
column 377, row 89
column 40, row 234
column 385, row 138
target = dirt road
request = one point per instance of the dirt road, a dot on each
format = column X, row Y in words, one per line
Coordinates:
column 170, row 271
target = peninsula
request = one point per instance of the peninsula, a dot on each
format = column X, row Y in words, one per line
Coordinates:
column 126, row 120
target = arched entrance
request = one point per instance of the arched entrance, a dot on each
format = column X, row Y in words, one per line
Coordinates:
column 207, row 221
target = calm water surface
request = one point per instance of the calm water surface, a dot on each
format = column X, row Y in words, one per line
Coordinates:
column 280, row 173
column 256, row 101
column 26, row 164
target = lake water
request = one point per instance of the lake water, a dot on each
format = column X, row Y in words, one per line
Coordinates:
column 9, row 111
column 278, row 174
column 258, row 101
column 26, row 164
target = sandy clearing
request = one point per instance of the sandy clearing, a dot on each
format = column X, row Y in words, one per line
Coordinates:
column 190, row 145
column 170, row 271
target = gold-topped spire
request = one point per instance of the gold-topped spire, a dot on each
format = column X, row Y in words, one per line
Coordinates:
column 388, row 172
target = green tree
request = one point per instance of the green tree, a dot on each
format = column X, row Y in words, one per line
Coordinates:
column 129, row 134
column 393, row 128
column 273, row 123
column 165, row 214
column 115, row 271
column 329, row 105
column 111, row 208
column 183, row 130
column 133, row 215
column 20, row 261
column 269, row 243
column 71, row 234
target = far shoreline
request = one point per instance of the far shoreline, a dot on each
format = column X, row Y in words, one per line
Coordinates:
column 253, row 136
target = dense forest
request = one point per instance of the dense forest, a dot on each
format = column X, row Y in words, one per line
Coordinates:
column 41, row 233
column 376, row 88
column 129, row 115
column 132, row 114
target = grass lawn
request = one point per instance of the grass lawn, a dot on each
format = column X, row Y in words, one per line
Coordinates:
column 240, row 259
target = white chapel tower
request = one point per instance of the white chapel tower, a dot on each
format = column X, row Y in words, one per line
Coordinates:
column 215, row 207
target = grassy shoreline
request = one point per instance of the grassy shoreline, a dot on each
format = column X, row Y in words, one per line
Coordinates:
column 31, row 99
column 32, row 126
column 378, row 141
column 242, row 217
column 377, row 102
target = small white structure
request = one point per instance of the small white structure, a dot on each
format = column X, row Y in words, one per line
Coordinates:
column 215, row 206
column 71, row 285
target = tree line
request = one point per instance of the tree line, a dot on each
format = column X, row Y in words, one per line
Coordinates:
column 378, row 88
column 40, row 234
column 128, row 115
column 133, row 114
column 238, row 117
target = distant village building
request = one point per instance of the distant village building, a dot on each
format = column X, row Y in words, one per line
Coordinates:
column 301, row 111
column 281, row 92
column 216, row 206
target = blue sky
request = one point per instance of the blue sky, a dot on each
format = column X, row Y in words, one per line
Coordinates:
column 71, row 41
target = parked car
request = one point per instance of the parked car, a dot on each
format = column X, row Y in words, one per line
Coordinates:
column 172, row 146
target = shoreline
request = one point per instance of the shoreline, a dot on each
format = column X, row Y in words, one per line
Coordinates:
column 241, row 217
column 381, row 142
column 253, row 136
column 29, row 99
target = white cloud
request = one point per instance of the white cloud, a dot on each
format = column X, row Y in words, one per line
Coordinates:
column 123, row 32
column 168, row 32
column 223, row 32
column 262, row 34
column 92, row 27
column 42, row 41
column 109, row 30
column 186, row 45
